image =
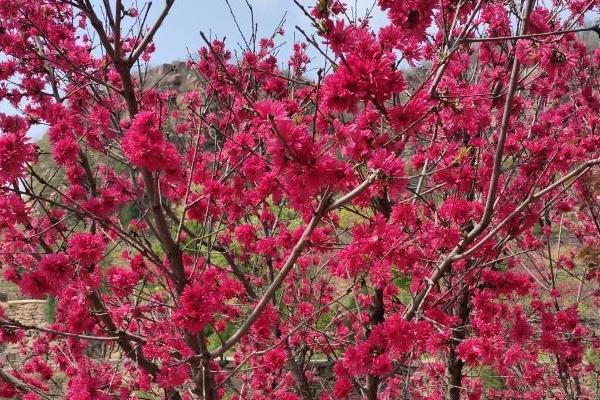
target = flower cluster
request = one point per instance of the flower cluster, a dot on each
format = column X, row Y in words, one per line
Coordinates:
column 411, row 204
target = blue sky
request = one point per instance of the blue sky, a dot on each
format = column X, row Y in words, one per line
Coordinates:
column 189, row 17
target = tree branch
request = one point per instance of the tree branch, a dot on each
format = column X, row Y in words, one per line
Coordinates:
column 20, row 385
column 342, row 201
column 491, row 196
column 531, row 35
column 266, row 297
column 137, row 52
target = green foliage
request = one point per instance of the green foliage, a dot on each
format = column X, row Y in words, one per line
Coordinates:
column 490, row 379
column 214, row 338
column 348, row 219
column 129, row 212
column 50, row 309
column 324, row 320
column 402, row 282
column 592, row 356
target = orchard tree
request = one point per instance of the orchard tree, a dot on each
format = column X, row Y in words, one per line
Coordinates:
column 404, row 212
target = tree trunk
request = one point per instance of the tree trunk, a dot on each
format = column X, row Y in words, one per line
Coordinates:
column 454, row 367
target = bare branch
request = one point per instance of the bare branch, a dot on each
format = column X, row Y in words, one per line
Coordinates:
column 531, row 35
column 137, row 52
column 20, row 385
column 342, row 201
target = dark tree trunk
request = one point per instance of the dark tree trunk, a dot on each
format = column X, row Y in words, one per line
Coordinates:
column 454, row 367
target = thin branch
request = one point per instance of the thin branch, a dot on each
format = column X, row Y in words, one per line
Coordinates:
column 20, row 385
column 137, row 52
column 532, row 35
column 497, row 167
column 342, row 201
column 12, row 324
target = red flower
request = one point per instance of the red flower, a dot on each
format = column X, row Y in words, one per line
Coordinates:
column 15, row 151
column 86, row 248
column 146, row 146
column 56, row 268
